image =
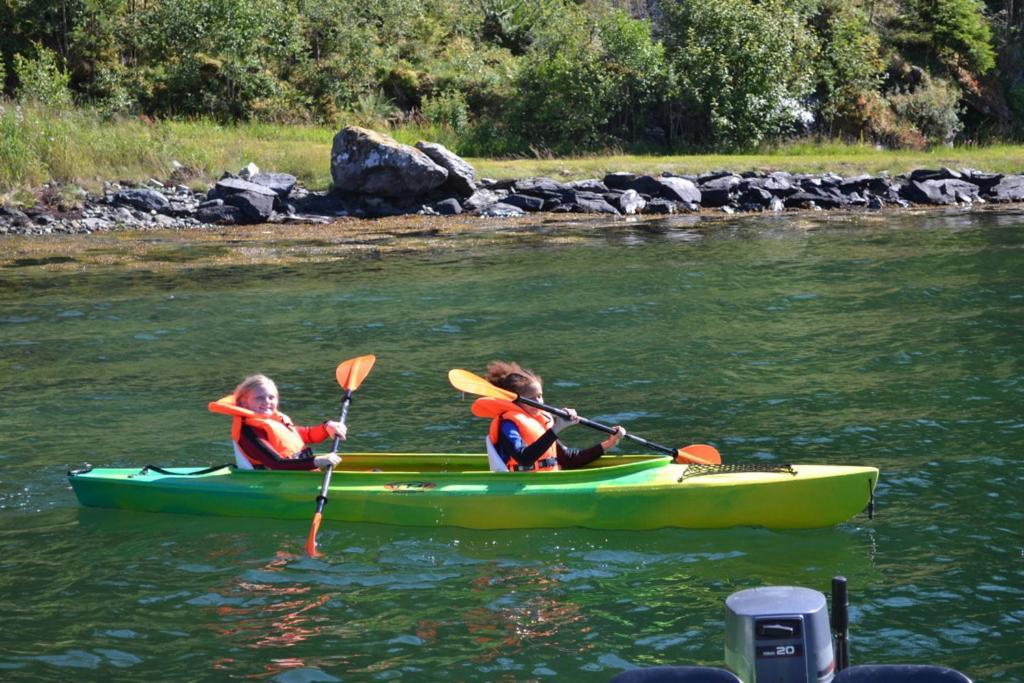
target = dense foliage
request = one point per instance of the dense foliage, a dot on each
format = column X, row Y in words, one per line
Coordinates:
column 559, row 76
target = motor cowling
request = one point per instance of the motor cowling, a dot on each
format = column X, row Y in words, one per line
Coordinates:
column 779, row 634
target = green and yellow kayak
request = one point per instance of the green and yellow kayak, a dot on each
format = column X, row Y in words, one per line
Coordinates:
column 438, row 489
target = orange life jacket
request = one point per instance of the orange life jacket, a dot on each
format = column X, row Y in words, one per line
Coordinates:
column 278, row 427
column 530, row 428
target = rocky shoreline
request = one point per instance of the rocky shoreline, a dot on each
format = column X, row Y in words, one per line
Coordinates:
column 376, row 177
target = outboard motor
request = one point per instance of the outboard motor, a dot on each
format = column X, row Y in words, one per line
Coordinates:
column 779, row 634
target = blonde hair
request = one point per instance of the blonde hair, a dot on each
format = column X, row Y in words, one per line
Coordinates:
column 511, row 376
column 250, row 383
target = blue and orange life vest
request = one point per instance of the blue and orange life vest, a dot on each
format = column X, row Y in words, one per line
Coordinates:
column 278, row 427
column 530, row 428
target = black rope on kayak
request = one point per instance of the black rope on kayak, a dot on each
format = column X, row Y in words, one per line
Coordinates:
column 736, row 468
column 159, row 470
column 84, row 469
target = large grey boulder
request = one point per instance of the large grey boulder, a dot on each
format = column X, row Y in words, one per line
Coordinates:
column 366, row 162
column 1009, row 189
column 668, row 187
column 461, row 177
column 943, row 192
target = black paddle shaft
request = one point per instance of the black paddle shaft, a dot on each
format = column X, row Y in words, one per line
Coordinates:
column 595, row 425
column 321, row 500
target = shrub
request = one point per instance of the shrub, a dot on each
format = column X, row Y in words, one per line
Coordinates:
column 447, row 109
column 41, row 80
column 933, row 108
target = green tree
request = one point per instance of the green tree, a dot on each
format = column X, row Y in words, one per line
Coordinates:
column 742, row 66
column 849, row 66
column 637, row 75
column 956, row 33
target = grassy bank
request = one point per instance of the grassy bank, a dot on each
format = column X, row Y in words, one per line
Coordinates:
column 80, row 148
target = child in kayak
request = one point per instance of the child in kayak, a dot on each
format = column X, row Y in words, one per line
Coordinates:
column 268, row 439
column 525, row 438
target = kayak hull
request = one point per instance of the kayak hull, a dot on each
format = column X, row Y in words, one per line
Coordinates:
column 628, row 492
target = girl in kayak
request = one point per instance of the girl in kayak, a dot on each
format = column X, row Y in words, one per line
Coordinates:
column 526, row 438
column 269, row 439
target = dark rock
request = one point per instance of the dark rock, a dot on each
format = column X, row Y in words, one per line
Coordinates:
column 985, row 181
column 620, row 180
column 12, row 216
column 227, row 186
column 501, row 210
column 754, row 196
column 220, row 214
column 503, row 184
column 660, row 206
column 939, row 174
column 587, row 202
column 711, row 176
column 883, row 187
column 525, row 202
column 256, row 207
column 141, row 198
column 541, row 187
column 719, row 190
column 855, row 183
column 943, row 192
column 820, row 198
column 778, row 184
column 590, row 185
column 448, row 207
column 281, row 183
column 366, row 162
column 461, row 176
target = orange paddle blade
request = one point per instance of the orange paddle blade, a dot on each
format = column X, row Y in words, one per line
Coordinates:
column 699, row 454
column 311, row 541
column 466, row 381
column 353, row 371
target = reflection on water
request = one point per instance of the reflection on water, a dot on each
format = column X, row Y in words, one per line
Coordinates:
column 892, row 340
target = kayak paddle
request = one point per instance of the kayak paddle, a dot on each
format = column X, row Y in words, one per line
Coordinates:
column 463, row 380
column 350, row 374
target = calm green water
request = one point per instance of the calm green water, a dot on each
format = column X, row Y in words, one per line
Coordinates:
column 894, row 341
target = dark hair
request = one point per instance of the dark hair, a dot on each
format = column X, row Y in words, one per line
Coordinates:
column 512, row 377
